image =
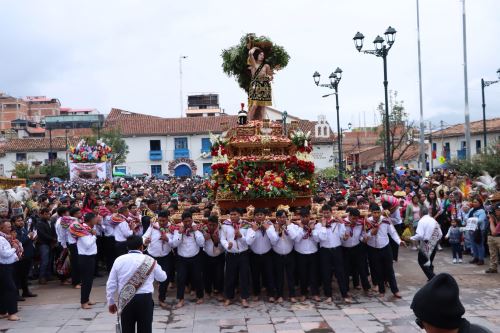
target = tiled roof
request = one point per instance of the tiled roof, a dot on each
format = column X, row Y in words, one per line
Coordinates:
column 476, row 127
column 371, row 155
column 136, row 124
column 38, row 144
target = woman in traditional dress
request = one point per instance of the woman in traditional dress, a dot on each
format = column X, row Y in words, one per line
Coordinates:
column 259, row 93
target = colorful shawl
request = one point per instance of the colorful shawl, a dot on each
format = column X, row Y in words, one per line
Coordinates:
column 117, row 219
column 66, row 221
column 14, row 243
column 77, row 230
column 103, row 211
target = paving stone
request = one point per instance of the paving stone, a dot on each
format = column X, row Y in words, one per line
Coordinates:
column 263, row 328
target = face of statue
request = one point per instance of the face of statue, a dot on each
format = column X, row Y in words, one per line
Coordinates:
column 261, row 56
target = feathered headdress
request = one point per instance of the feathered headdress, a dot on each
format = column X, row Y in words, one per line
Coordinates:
column 466, row 189
column 487, row 182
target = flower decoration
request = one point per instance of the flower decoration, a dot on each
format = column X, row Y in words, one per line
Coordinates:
column 83, row 153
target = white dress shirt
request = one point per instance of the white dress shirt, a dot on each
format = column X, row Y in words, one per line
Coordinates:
column 87, row 245
column 211, row 250
column 425, row 229
column 124, row 268
column 108, row 228
column 122, row 231
column 189, row 246
column 307, row 245
column 227, row 236
column 396, row 217
column 282, row 245
column 7, row 252
column 158, row 247
column 330, row 237
column 259, row 242
column 61, row 234
column 381, row 239
column 355, row 238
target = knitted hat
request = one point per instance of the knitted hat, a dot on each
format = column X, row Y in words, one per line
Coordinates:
column 438, row 303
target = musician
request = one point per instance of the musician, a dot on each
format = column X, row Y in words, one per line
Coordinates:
column 354, row 258
column 139, row 271
column 378, row 231
column 282, row 240
column 261, row 257
column 331, row 232
column 11, row 251
column 306, row 246
column 159, row 240
column 123, row 230
column 189, row 259
column 213, row 258
column 108, row 241
column 87, row 250
column 233, row 237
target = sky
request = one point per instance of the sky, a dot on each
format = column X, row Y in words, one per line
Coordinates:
column 125, row 54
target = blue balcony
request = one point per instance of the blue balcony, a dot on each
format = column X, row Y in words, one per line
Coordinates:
column 155, row 155
column 206, row 150
column 461, row 154
column 181, row 153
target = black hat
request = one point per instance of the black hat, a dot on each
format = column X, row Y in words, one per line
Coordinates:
column 438, row 303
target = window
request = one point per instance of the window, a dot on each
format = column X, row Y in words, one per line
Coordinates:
column 478, row 146
column 207, row 169
column 156, row 170
column 206, row 145
column 434, row 146
column 20, row 157
column 181, row 143
column 463, row 145
column 52, row 155
column 154, row 145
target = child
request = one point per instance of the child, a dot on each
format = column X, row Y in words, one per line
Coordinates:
column 454, row 236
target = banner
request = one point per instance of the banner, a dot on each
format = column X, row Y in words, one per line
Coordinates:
column 90, row 171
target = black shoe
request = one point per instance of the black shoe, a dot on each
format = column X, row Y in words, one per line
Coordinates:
column 29, row 294
column 20, row 299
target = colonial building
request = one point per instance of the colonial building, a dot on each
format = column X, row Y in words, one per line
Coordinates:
column 181, row 146
column 449, row 143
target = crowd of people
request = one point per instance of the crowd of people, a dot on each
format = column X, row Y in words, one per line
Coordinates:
column 73, row 232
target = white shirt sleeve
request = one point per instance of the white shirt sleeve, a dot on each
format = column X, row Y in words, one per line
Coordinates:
column 249, row 236
column 159, row 273
column 112, row 285
column 272, row 235
column 198, row 236
column 222, row 237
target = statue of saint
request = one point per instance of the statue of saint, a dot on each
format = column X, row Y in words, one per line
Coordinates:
column 259, row 93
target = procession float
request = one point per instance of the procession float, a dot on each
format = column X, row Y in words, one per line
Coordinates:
column 88, row 162
column 259, row 162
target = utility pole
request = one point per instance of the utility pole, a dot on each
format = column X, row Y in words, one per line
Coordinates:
column 432, row 149
column 466, row 87
column 423, row 167
column 181, row 98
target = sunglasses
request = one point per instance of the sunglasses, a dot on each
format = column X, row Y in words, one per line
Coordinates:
column 419, row 322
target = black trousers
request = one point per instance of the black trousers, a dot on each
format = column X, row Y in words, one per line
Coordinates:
column 213, row 273
column 8, row 290
column 139, row 311
column 237, row 267
column 87, row 269
column 395, row 246
column 120, row 248
column 108, row 247
column 21, row 271
column 261, row 266
column 73, row 259
column 99, row 258
column 189, row 270
column 355, row 265
column 331, row 260
column 166, row 264
column 381, row 268
column 308, row 268
column 284, row 265
column 428, row 270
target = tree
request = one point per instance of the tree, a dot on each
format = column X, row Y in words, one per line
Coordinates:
column 113, row 138
column 23, row 170
column 57, row 168
column 401, row 130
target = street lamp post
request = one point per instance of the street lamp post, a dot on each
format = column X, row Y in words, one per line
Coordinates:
column 335, row 78
column 486, row 84
column 381, row 50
